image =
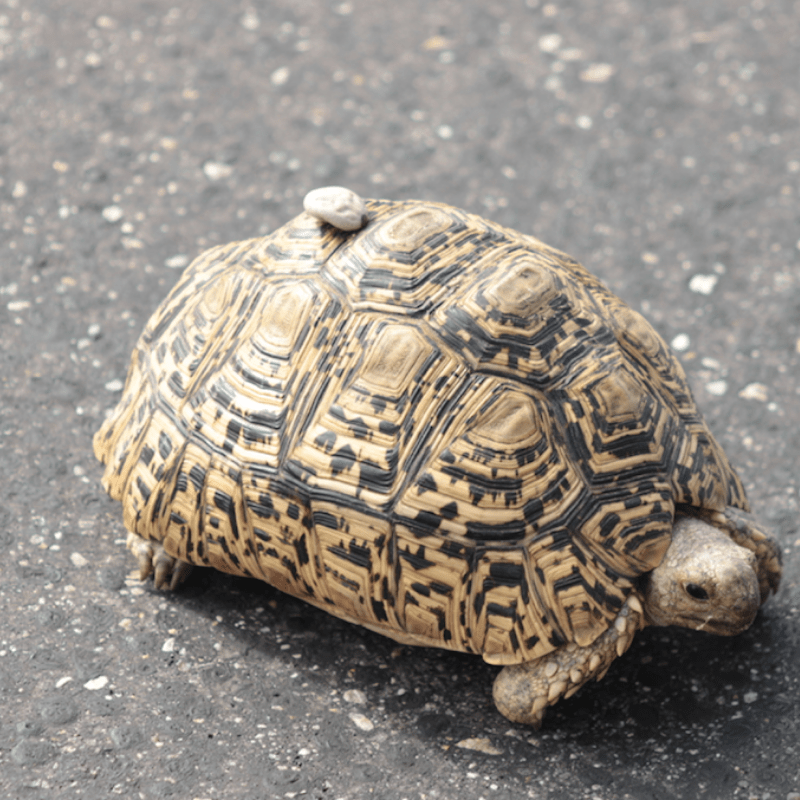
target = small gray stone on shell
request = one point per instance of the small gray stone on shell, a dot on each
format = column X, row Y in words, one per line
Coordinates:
column 337, row 206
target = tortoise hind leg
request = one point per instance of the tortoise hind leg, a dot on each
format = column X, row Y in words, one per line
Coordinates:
column 522, row 692
column 168, row 572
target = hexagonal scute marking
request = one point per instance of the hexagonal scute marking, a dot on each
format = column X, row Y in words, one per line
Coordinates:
column 521, row 318
column 376, row 416
column 283, row 316
column 355, row 554
column 196, row 324
column 523, row 290
column 305, row 244
column 432, row 587
column 393, row 360
column 622, row 399
column 644, row 347
column 513, row 419
column 504, row 477
column 617, row 428
column 241, row 406
column 410, row 260
column 629, row 529
column 199, row 329
column 411, row 229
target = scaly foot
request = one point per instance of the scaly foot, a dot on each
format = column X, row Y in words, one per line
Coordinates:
column 522, row 692
column 168, row 572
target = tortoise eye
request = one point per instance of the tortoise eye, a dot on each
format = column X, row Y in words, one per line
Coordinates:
column 698, row 592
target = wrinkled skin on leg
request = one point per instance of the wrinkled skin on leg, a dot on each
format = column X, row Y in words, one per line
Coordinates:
column 522, row 692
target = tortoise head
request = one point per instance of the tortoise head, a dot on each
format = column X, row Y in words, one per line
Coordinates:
column 705, row 581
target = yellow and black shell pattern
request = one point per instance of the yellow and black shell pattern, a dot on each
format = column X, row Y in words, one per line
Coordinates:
column 434, row 426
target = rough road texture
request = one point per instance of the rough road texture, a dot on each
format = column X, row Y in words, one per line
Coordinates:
column 658, row 144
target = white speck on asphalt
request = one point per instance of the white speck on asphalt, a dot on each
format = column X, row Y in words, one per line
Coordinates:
column 550, row 42
column 112, row 213
column 597, row 73
column 216, row 171
column 681, row 342
column 755, row 391
column 361, row 722
column 280, row 76
column 480, row 746
column 703, row 284
column 355, row 696
column 177, row 262
column 250, row 20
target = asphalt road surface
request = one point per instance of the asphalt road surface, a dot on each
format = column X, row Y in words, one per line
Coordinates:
column 657, row 142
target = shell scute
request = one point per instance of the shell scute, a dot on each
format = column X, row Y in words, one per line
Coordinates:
column 375, row 419
column 521, row 319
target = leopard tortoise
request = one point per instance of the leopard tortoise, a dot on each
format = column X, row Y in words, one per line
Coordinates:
column 440, row 429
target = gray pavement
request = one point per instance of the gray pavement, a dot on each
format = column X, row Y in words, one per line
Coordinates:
column 657, row 142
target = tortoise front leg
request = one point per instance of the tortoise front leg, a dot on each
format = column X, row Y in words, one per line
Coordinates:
column 168, row 572
column 522, row 692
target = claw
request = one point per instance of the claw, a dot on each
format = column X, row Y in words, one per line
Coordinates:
column 180, row 573
column 538, row 710
column 143, row 551
column 168, row 572
column 635, row 604
column 556, row 690
column 163, row 569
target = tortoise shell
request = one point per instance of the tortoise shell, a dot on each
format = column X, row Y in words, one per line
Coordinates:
column 433, row 426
